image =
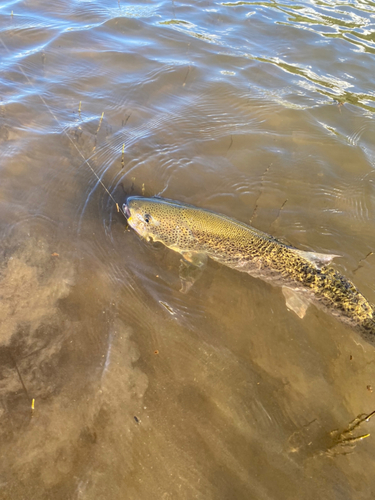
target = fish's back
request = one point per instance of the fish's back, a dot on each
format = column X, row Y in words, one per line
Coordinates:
column 249, row 250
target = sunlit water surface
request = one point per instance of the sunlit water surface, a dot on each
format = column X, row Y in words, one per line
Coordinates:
column 263, row 111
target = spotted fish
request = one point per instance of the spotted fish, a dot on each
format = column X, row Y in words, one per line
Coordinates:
column 305, row 277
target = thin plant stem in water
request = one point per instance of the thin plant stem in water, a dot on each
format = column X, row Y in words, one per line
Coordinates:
column 67, row 135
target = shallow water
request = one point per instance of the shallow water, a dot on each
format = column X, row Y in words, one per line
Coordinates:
column 263, row 111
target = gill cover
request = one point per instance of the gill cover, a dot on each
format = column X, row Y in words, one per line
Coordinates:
column 160, row 220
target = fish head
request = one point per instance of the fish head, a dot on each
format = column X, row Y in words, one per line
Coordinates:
column 159, row 220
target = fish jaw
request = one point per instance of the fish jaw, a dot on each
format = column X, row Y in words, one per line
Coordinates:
column 139, row 226
column 126, row 210
column 135, row 221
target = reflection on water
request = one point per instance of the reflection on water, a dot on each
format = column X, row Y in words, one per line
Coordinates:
column 113, row 384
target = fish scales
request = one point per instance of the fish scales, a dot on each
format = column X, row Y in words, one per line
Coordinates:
column 194, row 231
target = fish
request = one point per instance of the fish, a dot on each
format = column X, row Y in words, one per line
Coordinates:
column 305, row 277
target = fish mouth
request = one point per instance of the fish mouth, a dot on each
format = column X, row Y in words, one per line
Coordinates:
column 126, row 210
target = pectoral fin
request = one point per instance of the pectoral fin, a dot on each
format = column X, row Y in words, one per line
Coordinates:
column 295, row 302
column 195, row 259
column 319, row 259
column 191, row 268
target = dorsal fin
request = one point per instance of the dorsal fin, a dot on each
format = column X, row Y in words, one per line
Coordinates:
column 319, row 259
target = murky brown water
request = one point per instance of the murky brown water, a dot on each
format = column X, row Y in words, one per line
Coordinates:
column 263, row 111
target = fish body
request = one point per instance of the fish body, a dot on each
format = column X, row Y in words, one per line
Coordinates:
column 196, row 233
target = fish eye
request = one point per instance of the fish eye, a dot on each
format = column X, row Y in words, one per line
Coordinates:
column 147, row 218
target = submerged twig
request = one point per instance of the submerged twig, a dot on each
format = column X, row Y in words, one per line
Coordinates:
column 123, row 156
column 187, row 74
column 19, row 375
column 231, row 142
column 124, row 122
column 100, row 122
column 96, row 133
column 278, row 215
column 260, row 194
column 360, row 263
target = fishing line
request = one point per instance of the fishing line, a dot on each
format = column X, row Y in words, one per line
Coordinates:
column 66, row 134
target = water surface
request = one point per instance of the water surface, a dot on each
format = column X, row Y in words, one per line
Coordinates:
column 263, row 111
